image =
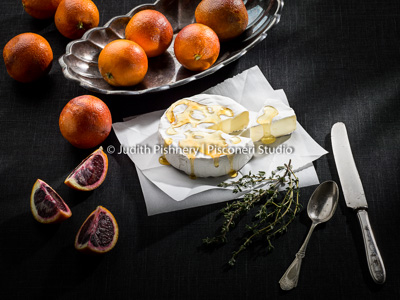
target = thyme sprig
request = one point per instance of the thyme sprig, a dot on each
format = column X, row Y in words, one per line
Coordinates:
column 276, row 210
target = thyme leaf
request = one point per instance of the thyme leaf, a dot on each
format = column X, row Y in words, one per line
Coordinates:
column 274, row 209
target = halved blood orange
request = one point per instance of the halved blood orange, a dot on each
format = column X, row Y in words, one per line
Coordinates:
column 99, row 232
column 90, row 173
column 46, row 205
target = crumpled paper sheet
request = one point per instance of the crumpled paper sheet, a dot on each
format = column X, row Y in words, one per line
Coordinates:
column 167, row 189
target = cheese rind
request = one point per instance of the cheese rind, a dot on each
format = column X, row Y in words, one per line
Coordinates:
column 203, row 125
column 204, row 165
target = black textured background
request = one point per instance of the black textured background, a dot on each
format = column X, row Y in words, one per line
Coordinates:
column 336, row 60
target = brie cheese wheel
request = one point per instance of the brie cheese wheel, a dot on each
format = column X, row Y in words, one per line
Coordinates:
column 197, row 136
column 275, row 119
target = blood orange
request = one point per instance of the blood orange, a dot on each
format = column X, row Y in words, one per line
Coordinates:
column 99, row 232
column 123, row 63
column 28, row 57
column 196, row 47
column 74, row 17
column 46, row 205
column 151, row 30
column 90, row 173
column 41, row 9
column 85, row 121
column 228, row 18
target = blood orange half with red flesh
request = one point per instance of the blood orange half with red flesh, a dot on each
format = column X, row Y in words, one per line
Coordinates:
column 46, row 205
column 99, row 232
column 90, row 173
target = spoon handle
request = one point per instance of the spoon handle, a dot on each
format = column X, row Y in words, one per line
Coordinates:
column 290, row 278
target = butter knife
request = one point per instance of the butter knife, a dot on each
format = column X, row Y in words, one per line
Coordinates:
column 355, row 198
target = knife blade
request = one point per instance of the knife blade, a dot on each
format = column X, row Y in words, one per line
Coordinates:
column 354, row 195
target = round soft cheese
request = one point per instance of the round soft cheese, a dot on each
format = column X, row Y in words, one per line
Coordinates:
column 198, row 136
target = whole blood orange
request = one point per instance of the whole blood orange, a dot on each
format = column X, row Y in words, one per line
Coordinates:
column 196, row 47
column 123, row 63
column 74, row 17
column 90, row 173
column 99, row 233
column 27, row 57
column 228, row 18
column 151, row 30
column 46, row 205
column 41, row 9
column 85, row 121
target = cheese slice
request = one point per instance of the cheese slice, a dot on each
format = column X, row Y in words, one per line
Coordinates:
column 275, row 119
column 197, row 136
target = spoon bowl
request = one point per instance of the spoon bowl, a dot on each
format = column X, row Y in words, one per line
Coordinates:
column 323, row 202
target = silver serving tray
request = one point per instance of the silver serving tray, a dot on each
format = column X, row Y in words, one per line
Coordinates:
column 79, row 63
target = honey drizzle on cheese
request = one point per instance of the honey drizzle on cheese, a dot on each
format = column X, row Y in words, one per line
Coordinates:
column 198, row 140
column 171, row 131
column 162, row 159
column 232, row 172
column 235, row 140
column 192, row 175
column 211, row 114
column 209, row 143
column 266, row 120
column 216, row 162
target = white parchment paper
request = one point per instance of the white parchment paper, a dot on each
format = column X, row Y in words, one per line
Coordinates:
column 167, row 189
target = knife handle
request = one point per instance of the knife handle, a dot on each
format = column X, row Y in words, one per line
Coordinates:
column 374, row 259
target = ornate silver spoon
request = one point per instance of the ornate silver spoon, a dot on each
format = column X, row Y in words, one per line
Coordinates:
column 320, row 209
